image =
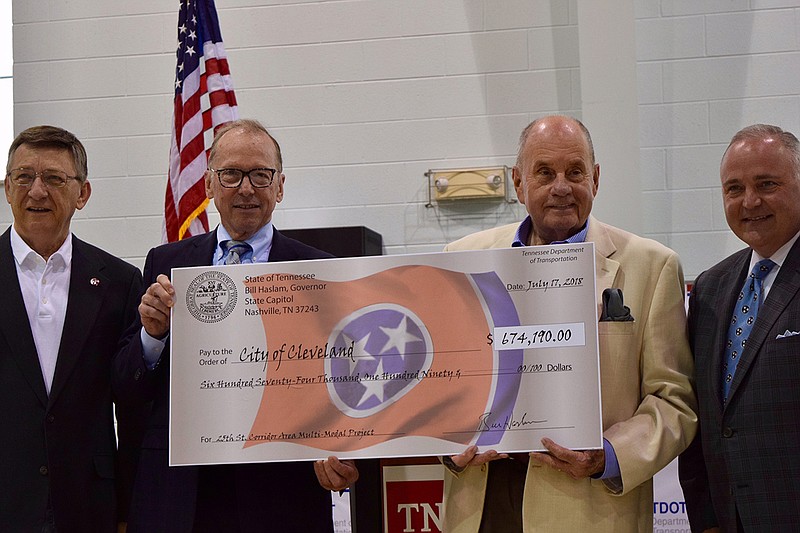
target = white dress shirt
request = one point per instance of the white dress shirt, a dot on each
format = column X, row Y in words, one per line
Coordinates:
column 45, row 290
column 779, row 257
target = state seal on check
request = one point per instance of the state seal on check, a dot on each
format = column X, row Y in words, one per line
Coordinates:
column 211, row 296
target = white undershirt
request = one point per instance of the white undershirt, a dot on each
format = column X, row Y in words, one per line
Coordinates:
column 45, row 290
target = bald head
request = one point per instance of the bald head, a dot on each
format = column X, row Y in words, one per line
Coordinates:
column 554, row 121
column 556, row 177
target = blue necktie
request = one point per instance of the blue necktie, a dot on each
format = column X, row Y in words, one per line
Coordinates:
column 744, row 316
column 235, row 251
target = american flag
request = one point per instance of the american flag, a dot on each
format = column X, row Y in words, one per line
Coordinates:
column 204, row 100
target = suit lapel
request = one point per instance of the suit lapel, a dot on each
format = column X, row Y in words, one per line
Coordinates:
column 279, row 251
column 87, row 287
column 605, row 268
column 782, row 293
column 204, row 248
column 14, row 324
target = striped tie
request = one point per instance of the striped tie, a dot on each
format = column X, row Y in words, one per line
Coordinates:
column 235, row 250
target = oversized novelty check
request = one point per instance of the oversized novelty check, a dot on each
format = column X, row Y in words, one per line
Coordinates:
column 385, row 356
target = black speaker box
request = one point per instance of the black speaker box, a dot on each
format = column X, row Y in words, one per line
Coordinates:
column 350, row 241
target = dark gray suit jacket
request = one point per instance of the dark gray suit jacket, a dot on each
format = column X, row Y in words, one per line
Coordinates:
column 279, row 497
column 746, row 457
column 63, row 446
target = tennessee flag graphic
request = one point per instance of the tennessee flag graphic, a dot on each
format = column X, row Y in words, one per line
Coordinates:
column 402, row 352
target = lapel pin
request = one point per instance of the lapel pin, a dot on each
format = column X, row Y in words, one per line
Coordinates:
column 94, row 282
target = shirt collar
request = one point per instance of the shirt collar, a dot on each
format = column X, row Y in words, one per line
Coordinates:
column 260, row 241
column 779, row 256
column 25, row 256
column 525, row 228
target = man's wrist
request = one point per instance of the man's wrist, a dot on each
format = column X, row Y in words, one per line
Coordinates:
column 448, row 462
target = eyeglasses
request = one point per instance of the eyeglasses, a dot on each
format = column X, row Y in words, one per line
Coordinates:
column 232, row 178
column 24, row 177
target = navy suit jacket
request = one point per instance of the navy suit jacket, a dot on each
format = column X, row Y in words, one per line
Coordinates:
column 746, row 457
column 62, row 446
column 280, row 497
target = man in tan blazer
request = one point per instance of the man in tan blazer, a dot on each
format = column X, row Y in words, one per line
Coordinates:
column 645, row 364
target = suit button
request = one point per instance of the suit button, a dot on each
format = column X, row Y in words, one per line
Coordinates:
column 43, row 470
column 51, row 418
column 138, row 374
column 727, row 432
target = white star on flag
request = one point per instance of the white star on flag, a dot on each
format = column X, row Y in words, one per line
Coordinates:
column 398, row 338
column 373, row 387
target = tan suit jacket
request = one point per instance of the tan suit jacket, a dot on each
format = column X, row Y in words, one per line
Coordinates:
column 648, row 403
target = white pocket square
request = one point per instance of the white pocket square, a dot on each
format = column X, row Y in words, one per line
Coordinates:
column 787, row 333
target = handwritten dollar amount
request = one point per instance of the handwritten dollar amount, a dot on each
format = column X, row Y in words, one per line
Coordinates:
column 539, row 336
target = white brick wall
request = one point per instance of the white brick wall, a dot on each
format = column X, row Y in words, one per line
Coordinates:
column 366, row 95
column 707, row 69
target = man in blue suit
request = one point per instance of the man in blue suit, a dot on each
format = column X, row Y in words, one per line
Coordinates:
column 65, row 305
column 742, row 472
column 245, row 181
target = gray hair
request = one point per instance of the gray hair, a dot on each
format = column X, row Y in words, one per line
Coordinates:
column 757, row 132
column 52, row 137
column 523, row 138
column 248, row 125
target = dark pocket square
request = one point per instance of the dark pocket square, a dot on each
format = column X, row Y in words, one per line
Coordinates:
column 613, row 308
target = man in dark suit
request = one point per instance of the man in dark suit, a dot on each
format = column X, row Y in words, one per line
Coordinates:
column 65, row 306
column 245, row 181
column 742, row 473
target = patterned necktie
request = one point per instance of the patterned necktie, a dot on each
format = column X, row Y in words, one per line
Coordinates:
column 235, row 250
column 744, row 316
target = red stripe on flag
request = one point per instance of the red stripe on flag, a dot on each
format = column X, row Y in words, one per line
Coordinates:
column 178, row 119
column 223, row 66
column 207, row 120
column 192, row 149
column 219, row 98
column 170, row 216
column 191, row 106
column 195, row 196
column 212, row 66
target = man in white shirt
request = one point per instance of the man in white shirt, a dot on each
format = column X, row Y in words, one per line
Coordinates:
column 65, row 306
